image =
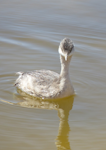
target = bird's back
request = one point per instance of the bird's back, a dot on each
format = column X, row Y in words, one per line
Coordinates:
column 40, row 83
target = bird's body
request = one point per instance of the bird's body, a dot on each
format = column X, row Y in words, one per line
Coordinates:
column 46, row 83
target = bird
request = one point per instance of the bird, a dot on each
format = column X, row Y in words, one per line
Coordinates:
column 47, row 84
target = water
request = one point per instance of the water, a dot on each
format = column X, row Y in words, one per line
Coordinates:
column 30, row 32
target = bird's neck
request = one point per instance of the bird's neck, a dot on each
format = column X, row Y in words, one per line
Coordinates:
column 65, row 67
column 65, row 83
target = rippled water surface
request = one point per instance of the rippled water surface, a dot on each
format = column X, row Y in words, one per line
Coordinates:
column 30, row 32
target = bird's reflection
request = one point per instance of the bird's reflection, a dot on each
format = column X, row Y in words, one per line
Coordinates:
column 63, row 106
column 63, row 134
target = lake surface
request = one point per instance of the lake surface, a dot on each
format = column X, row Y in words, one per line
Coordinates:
column 30, row 33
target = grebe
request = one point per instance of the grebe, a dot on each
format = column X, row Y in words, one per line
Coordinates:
column 46, row 83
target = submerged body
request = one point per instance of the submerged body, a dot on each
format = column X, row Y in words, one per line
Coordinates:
column 46, row 83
